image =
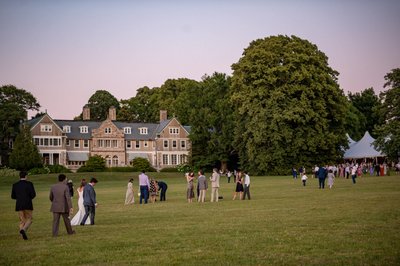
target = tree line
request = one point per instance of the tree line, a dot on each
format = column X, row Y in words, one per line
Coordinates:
column 282, row 106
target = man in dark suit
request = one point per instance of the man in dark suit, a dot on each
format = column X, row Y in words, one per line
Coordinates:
column 23, row 191
column 162, row 187
column 61, row 204
column 89, row 201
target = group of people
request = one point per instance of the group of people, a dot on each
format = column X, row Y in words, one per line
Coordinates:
column 242, row 187
column 149, row 188
column 23, row 192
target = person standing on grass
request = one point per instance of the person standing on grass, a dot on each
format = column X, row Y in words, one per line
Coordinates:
column 190, row 187
column 61, row 205
column 239, row 186
column 144, row 185
column 354, row 173
column 162, row 187
column 23, row 192
column 130, row 194
column 203, row 185
column 331, row 178
column 214, row 185
column 89, row 201
column 304, row 179
column 246, row 185
column 321, row 177
column 153, row 190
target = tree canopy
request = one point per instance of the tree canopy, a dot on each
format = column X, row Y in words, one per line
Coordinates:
column 388, row 132
column 99, row 104
column 14, row 104
column 367, row 103
column 25, row 155
column 289, row 107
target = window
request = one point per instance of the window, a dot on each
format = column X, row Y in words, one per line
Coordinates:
column 128, row 144
column 100, row 143
column 145, row 144
column 108, row 143
column 67, row 129
column 114, row 143
column 174, row 159
column 137, row 144
column 165, row 159
column 115, row 160
column 86, row 143
column 84, row 129
column 108, row 161
column 46, row 128
column 143, row 130
column 76, row 144
column 107, row 130
column 183, row 144
column 67, row 142
column 127, row 130
column 165, row 143
column 173, row 130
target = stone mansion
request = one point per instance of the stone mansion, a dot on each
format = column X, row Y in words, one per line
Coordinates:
column 71, row 142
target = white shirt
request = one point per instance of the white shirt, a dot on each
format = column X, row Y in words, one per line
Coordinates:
column 247, row 180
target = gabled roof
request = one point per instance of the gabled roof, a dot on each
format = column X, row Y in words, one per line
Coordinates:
column 33, row 122
column 363, row 149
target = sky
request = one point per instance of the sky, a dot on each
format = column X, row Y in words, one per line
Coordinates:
column 64, row 51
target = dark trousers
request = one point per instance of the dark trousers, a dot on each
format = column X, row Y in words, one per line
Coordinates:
column 89, row 210
column 321, row 182
column 354, row 178
column 144, row 194
column 56, row 222
column 304, row 182
column 162, row 194
column 246, row 192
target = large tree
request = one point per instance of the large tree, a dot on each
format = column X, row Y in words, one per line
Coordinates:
column 366, row 102
column 25, row 155
column 99, row 104
column 14, row 104
column 210, row 115
column 388, row 132
column 289, row 107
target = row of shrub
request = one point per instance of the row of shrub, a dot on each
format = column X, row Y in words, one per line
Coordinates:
column 49, row 169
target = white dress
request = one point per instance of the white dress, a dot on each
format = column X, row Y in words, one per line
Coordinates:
column 81, row 211
column 129, row 197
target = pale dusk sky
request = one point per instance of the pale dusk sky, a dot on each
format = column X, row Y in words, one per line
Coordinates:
column 63, row 51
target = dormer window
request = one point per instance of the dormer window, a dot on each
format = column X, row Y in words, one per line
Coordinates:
column 107, row 130
column 127, row 130
column 143, row 130
column 84, row 129
column 174, row 130
column 46, row 128
column 67, row 129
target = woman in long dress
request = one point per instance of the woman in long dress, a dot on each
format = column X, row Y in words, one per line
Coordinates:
column 130, row 196
column 331, row 178
column 81, row 209
column 190, row 187
column 153, row 190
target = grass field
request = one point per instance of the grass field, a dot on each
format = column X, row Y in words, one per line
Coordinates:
column 283, row 224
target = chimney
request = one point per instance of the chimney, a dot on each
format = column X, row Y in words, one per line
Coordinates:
column 86, row 112
column 163, row 115
column 112, row 113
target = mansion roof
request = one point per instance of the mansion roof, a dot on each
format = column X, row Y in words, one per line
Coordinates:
column 134, row 133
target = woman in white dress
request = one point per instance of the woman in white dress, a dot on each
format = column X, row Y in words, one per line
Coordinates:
column 81, row 209
column 130, row 196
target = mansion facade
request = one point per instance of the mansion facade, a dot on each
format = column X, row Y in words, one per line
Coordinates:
column 71, row 142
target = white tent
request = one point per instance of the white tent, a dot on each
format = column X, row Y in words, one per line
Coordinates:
column 350, row 140
column 363, row 149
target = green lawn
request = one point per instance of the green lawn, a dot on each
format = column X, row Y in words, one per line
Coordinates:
column 284, row 224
